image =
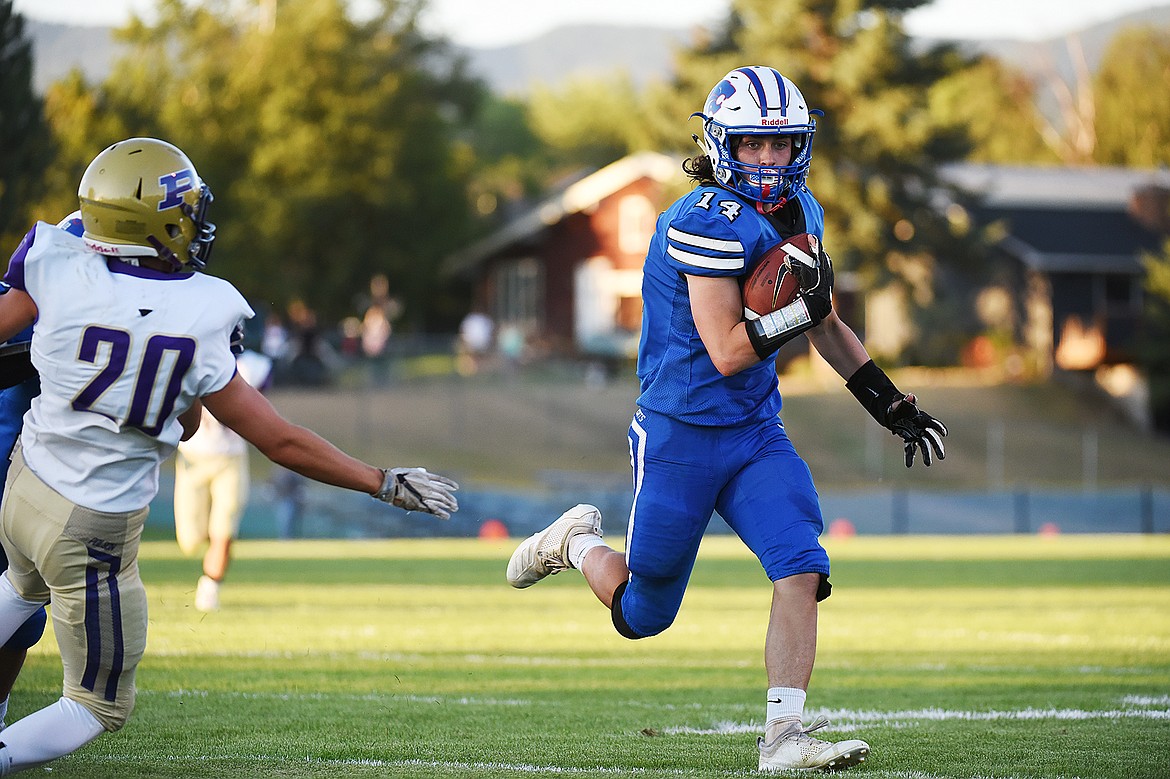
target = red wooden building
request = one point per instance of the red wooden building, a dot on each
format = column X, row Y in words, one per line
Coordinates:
column 567, row 274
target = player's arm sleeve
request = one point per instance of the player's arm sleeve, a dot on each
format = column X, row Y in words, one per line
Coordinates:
column 218, row 366
column 699, row 244
column 18, row 311
column 14, row 276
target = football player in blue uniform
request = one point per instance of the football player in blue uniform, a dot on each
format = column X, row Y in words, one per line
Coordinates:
column 18, row 386
column 706, row 436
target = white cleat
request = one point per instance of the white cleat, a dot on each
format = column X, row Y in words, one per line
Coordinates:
column 207, row 594
column 547, row 552
column 796, row 749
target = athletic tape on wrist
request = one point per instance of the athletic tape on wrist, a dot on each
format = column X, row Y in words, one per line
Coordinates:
column 771, row 331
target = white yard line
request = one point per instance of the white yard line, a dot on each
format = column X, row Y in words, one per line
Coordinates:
column 1135, row 707
column 439, row 766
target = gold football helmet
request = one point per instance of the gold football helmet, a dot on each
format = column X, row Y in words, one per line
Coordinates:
column 142, row 197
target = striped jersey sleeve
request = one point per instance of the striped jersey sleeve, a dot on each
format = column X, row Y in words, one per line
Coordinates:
column 701, row 254
column 707, row 239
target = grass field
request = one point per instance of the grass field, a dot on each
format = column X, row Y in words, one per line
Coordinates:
column 956, row 658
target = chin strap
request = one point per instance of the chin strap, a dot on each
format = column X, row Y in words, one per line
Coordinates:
column 765, row 189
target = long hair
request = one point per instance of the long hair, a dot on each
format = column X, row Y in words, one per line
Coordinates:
column 699, row 170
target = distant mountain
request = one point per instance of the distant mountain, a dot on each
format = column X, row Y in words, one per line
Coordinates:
column 1054, row 54
column 645, row 53
column 59, row 48
column 580, row 50
column 563, row 53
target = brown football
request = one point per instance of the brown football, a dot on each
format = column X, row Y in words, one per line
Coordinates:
column 771, row 284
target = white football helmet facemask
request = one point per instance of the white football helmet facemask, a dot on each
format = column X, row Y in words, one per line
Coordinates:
column 757, row 100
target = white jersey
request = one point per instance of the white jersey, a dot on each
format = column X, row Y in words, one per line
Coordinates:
column 122, row 351
column 213, row 439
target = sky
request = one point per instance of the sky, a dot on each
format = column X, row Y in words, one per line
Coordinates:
column 486, row 23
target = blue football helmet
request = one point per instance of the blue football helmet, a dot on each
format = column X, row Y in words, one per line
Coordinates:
column 757, row 100
column 73, row 224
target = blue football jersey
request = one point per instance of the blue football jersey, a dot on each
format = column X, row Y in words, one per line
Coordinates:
column 708, row 232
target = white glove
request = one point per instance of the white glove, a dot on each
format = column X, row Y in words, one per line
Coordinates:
column 417, row 489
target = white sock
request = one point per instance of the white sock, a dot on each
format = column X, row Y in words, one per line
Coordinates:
column 579, row 546
column 785, row 703
column 3, row 712
column 45, row 735
column 14, row 610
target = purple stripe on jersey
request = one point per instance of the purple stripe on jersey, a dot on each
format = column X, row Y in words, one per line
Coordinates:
column 15, row 275
column 121, row 266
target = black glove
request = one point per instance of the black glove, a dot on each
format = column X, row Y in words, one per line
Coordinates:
column 816, row 286
column 237, row 339
column 918, row 430
column 898, row 413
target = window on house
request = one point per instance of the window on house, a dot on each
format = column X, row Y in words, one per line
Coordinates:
column 519, row 293
column 1122, row 295
column 636, row 219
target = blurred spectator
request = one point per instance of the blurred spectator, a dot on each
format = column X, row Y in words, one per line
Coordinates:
column 211, row 487
column 275, row 341
column 351, row 337
column 377, row 306
column 310, row 354
column 475, row 342
column 379, row 310
column 375, row 332
column 288, row 489
column 512, row 345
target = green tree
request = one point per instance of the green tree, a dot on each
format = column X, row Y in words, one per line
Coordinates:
column 510, row 162
column 995, row 106
column 23, row 137
column 83, row 121
column 580, row 125
column 1132, row 99
column 333, row 144
column 1112, row 118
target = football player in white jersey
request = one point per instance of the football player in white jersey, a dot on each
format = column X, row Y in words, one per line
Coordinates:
column 212, row 482
column 131, row 343
column 706, row 436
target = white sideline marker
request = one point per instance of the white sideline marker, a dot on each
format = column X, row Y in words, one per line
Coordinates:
column 844, row 720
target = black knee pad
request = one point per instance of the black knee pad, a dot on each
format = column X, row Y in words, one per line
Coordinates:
column 824, row 589
column 615, row 611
